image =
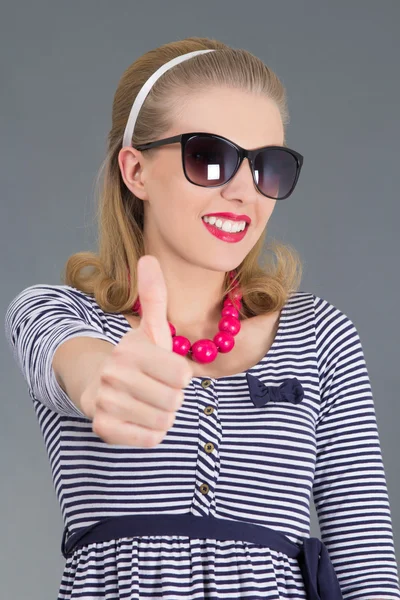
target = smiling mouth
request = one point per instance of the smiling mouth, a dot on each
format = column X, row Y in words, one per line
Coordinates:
column 226, row 236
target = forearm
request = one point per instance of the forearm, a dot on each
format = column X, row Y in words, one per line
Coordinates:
column 77, row 364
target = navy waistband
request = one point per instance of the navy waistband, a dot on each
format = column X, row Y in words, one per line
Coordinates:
column 320, row 580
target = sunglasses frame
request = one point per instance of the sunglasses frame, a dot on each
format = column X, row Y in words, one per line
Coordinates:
column 242, row 153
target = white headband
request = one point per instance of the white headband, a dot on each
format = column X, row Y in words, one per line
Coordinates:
column 142, row 95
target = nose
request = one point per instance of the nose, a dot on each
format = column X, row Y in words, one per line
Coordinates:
column 242, row 182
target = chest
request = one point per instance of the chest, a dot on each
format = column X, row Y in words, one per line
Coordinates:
column 252, row 343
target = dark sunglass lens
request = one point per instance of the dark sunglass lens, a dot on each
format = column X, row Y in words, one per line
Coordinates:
column 275, row 171
column 209, row 161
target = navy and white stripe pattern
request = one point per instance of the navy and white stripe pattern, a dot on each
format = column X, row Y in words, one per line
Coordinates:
column 223, row 457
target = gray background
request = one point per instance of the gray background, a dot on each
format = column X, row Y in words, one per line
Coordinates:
column 60, row 65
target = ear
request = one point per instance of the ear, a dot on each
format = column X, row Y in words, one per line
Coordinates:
column 132, row 167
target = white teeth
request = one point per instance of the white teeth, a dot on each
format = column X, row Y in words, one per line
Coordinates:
column 225, row 224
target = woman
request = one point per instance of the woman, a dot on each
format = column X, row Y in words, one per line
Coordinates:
column 205, row 493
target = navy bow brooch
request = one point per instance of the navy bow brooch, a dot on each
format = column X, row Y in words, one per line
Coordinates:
column 290, row 390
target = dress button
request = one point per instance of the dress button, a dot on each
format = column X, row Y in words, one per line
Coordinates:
column 206, row 383
column 209, row 447
column 209, row 410
column 204, row 488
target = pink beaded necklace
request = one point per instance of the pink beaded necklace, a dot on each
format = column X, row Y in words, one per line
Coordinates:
column 204, row 350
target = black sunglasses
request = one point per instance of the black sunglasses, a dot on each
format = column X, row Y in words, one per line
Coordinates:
column 210, row 160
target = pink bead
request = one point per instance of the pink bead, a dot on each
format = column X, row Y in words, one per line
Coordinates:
column 230, row 311
column 230, row 324
column 204, row 351
column 236, row 294
column 232, row 302
column 224, row 341
column 180, row 345
column 228, row 302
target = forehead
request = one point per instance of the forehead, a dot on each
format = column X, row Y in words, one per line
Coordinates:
column 248, row 119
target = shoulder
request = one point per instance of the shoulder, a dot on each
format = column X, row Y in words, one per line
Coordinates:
column 331, row 321
column 336, row 342
column 328, row 320
column 47, row 293
column 337, row 338
column 323, row 310
column 56, row 301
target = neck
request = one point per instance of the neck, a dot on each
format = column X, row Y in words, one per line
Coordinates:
column 194, row 298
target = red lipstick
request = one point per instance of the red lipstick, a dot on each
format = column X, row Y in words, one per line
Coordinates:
column 230, row 216
column 225, row 235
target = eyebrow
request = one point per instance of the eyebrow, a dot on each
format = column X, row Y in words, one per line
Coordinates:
column 284, row 145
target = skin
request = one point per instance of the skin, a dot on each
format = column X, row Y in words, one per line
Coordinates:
column 194, row 261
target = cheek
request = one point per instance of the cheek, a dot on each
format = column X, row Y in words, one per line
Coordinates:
column 177, row 199
column 263, row 215
column 175, row 207
column 268, row 207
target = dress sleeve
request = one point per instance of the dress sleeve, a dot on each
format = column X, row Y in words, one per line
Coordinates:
column 37, row 321
column 350, row 491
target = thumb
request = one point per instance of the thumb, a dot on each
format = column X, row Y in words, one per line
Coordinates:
column 152, row 292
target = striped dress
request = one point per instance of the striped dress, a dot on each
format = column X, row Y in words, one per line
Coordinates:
column 223, row 457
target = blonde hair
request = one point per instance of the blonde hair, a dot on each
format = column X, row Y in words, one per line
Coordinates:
column 104, row 275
